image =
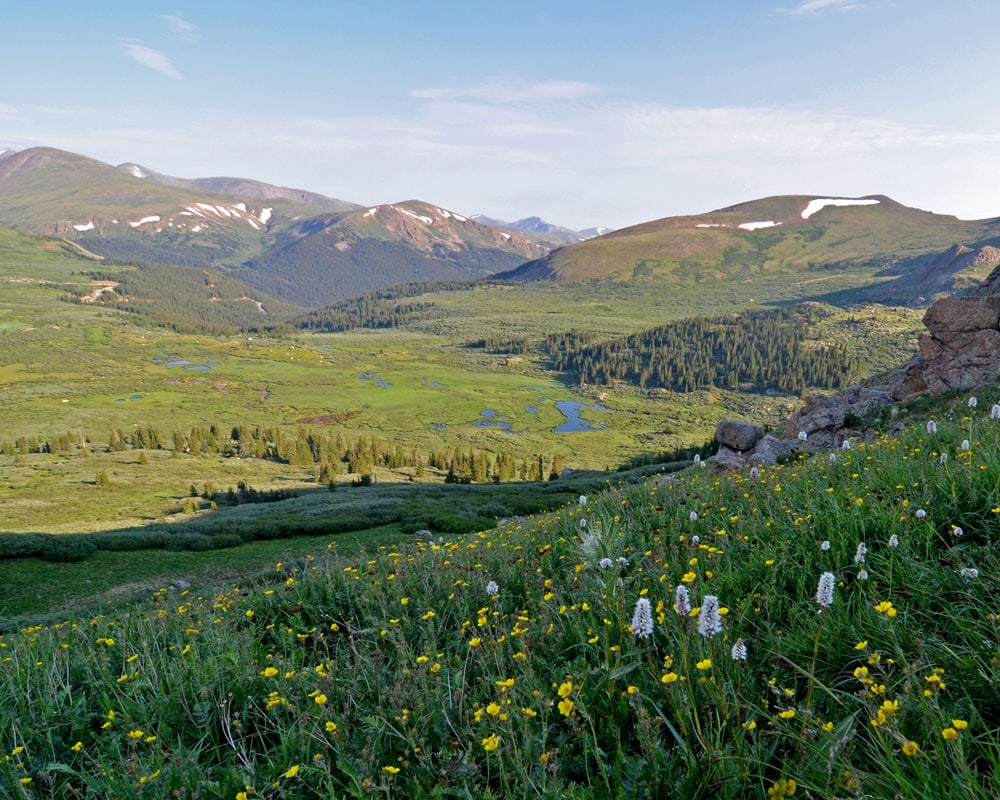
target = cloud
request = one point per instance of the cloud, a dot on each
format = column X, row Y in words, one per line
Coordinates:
column 181, row 29
column 825, row 6
column 511, row 92
column 153, row 59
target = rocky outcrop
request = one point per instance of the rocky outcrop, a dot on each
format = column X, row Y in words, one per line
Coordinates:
column 961, row 349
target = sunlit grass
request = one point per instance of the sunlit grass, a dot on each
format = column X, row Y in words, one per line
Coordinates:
column 505, row 664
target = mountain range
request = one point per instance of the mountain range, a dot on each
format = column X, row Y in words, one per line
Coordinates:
column 309, row 250
column 299, row 246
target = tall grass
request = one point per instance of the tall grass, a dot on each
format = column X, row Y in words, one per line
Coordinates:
column 504, row 663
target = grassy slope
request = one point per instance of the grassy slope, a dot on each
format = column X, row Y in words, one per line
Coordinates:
column 397, row 671
column 864, row 238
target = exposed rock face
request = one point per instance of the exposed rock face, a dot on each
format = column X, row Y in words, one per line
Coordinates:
column 823, row 418
column 961, row 349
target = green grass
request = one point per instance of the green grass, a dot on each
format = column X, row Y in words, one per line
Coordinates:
column 504, row 663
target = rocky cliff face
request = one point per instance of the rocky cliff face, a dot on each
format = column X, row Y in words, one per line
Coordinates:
column 961, row 349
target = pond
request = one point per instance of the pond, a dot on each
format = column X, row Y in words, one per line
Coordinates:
column 574, row 422
column 371, row 376
column 491, row 419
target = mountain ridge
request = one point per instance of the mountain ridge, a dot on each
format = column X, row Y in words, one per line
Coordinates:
column 132, row 213
column 773, row 234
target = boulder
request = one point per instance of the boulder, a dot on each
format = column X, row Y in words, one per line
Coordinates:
column 738, row 435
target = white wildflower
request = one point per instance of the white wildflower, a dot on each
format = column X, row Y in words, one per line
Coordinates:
column 696, row 539
column 931, row 426
column 966, row 444
column 970, row 572
column 957, row 531
column 944, row 458
column 697, row 458
column 824, row 591
column 693, row 516
column 709, row 620
column 605, row 563
column 825, row 545
column 973, row 402
column 920, row 513
column 583, row 523
column 642, row 619
column 995, row 411
column 622, row 561
column 739, row 650
column 754, row 472
column 894, row 541
column 833, row 458
column 803, row 436
column 492, row 589
column 862, row 574
column 862, row 551
column 583, row 499
column 682, row 601
column 845, row 445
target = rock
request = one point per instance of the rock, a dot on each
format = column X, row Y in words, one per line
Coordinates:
column 738, row 435
column 728, row 459
column 961, row 349
column 768, row 450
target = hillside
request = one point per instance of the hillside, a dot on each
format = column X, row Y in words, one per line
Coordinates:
column 815, row 629
column 784, row 234
column 331, row 257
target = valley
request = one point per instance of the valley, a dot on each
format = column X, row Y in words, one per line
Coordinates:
column 143, row 401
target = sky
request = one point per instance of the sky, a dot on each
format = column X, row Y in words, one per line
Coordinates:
column 583, row 113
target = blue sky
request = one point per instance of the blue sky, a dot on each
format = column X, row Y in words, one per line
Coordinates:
column 581, row 112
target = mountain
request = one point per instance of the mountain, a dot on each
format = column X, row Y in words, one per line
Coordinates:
column 540, row 231
column 244, row 187
column 334, row 256
column 787, row 233
column 256, row 232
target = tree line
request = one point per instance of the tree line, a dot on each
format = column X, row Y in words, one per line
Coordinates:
column 763, row 350
column 329, row 454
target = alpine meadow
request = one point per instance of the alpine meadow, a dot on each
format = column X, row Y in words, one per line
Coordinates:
column 390, row 487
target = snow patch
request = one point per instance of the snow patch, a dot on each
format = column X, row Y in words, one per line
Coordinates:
column 506, row 236
column 253, row 224
column 194, row 210
column 143, row 221
column 196, row 229
column 371, row 212
column 709, row 225
column 88, row 227
column 136, row 171
column 820, row 203
column 224, row 211
column 425, row 220
column 242, row 207
column 753, row 226
column 265, row 215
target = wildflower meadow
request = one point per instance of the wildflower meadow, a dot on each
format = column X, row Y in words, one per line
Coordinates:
column 824, row 628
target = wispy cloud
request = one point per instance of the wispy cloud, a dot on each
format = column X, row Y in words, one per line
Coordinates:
column 181, row 29
column 152, row 59
column 825, row 6
column 511, row 92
